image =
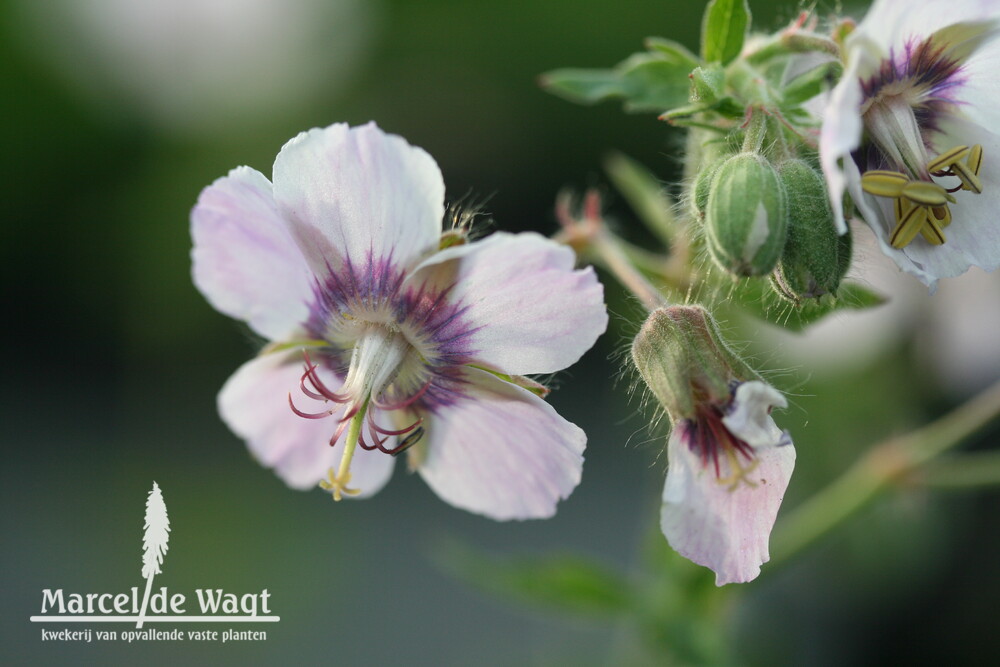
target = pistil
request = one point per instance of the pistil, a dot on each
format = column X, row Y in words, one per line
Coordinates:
column 337, row 484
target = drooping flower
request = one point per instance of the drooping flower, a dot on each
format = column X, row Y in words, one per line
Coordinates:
column 382, row 342
column 909, row 132
column 728, row 463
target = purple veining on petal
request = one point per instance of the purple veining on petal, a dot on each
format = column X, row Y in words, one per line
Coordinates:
column 708, row 438
column 430, row 320
column 928, row 80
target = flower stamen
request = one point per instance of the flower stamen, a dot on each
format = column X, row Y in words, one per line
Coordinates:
column 921, row 206
column 738, row 472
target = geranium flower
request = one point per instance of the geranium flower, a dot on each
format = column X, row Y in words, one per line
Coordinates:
column 728, row 465
column 728, row 470
column 909, row 132
column 382, row 342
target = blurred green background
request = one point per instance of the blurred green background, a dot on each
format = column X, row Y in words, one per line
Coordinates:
column 118, row 112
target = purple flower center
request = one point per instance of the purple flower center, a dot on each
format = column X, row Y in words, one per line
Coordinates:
column 426, row 328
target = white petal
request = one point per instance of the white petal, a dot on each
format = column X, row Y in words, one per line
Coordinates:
column 531, row 312
column 501, row 451
column 254, row 404
column 749, row 415
column 891, row 23
column 841, row 134
column 244, row 259
column 358, row 194
column 973, row 237
column 723, row 528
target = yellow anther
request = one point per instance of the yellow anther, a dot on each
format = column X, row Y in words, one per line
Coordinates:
column 931, row 231
column 975, row 160
column 908, row 226
column 337, row 484
column 921, row 206
column 941, row 215
column 948, row 158
column 884, row 183
column 926, row 193
column 968, row 177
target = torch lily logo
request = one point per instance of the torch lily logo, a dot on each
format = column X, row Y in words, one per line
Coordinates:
column 154, row 543
column 216, row 605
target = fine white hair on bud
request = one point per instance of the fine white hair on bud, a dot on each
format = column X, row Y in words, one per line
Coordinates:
column 746, row 218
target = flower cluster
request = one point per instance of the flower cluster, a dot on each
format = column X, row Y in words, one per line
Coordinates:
column 389, row 335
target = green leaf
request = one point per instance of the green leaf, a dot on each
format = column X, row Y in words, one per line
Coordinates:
column 856, row 297
column 723, row 30
column 755, row 296
column 565, row 582
column 655, row 83
column 583, row 86
column 811, row 83
column 647, row 82
column 672, row 50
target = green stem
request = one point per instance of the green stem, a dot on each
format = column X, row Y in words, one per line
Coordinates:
column 963, row 471
column 613, row 258
column 756, row 131
column 877, row 470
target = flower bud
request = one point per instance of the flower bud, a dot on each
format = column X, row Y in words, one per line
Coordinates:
column 746, row 219
column 812, row 263
column 684, row 360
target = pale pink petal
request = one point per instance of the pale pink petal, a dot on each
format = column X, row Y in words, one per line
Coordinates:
column 530, row 311
column 254, row 404
column 244, row 259
column 501, row 451
column 353, row 194
column 719, row 525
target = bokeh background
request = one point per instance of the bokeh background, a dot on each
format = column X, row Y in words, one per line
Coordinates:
column 117, row 113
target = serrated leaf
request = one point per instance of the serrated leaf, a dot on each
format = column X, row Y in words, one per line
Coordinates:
column 646, row 81
column 723, row 30
column 583, row 86
column 654, row 83
column 672, row 50
column 562, row 582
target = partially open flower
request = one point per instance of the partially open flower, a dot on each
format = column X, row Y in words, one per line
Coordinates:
column 382, row 341
column 910, row 132
column 728, row 464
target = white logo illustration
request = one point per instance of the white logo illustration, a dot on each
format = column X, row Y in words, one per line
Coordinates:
column 215, row 605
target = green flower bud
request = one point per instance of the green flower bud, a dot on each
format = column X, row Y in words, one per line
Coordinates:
column 746, row 220
column 684, row 360
column 812, row 263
